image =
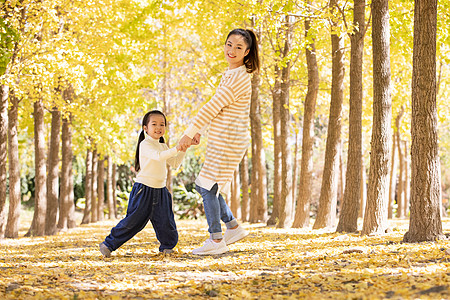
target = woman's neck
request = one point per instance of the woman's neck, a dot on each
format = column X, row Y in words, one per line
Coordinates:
column 235, row 66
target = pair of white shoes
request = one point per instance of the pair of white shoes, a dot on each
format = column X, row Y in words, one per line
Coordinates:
column 231, row 236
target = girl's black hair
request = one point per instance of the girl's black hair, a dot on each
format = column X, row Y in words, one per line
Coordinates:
column 251, row 60
column 145, row 122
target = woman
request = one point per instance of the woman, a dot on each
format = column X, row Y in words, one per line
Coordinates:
column 228, row 115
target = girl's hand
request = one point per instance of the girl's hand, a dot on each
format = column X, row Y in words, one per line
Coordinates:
column 180, row 148
column 185, row 142
column 196, row 139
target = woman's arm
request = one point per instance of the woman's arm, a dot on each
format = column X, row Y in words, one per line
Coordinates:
column 223, row 97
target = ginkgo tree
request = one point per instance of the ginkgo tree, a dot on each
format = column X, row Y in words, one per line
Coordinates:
column 8, row 47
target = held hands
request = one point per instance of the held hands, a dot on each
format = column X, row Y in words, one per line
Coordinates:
column 196, row 139
column 180, row 149
column 185, row 142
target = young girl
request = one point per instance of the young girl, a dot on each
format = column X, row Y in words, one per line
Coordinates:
column 228, row 115
column 149, row 198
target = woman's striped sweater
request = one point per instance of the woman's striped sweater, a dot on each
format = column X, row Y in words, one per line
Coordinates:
column 228, row 115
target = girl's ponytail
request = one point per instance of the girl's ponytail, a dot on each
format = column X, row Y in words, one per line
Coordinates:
column 251, row 61
column 137, row 167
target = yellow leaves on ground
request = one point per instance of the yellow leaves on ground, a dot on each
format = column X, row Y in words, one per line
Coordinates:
column 270, row 264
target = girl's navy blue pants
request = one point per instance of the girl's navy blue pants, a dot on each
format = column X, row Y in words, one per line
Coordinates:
column 146, row 204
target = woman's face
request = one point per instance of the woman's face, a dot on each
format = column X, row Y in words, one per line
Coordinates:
column 156, row 126
column 235, row 50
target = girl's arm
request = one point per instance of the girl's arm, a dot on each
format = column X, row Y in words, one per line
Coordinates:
column 175, row 162
column 159, row 155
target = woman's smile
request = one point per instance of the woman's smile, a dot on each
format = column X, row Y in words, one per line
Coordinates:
column 235, row 50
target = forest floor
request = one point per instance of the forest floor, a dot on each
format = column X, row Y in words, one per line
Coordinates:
column 270, row 263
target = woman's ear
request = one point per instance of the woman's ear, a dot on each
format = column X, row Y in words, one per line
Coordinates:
column 246, row 52
column 144, row 128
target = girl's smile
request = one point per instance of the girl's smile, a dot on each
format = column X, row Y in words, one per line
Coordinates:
column 156, row 126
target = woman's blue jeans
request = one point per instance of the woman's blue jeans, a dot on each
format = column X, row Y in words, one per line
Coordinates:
column 216, row 209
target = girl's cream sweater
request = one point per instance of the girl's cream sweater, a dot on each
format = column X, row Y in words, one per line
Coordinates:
column 153, row 157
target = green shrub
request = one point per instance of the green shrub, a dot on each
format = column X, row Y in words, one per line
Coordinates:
column 187, row 204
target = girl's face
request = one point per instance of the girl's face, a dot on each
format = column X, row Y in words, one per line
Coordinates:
column 235, row 50
column 156, row 126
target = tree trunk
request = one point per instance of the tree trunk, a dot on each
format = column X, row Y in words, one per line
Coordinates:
column 88, row 188
column 258, row 196
column 114, row 194
column 66, row 173
column 101, row 189
column 262, row 182
column 326, row 215
column 109, row 189
column 348, row 219
column 406, row 182
column 94, row 196
column 304, row 189
column 285, row 212
column 166, row 105
column 12, row 226
column 8, row 134
column 375, row 217
column 393, row 179
column 243, row 170
column 295, row 167
column 67, row 205
column 341, row 181
column 53, row 174
column 425, row 219
column 235, row 198
column 398, row 122
column 276, row 116
column 71, row 220
column 40, row 195
column 4, row 93
column 363, row 191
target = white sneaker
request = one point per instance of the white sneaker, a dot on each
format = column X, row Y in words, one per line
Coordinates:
column 233, row 235
column 211, row 247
